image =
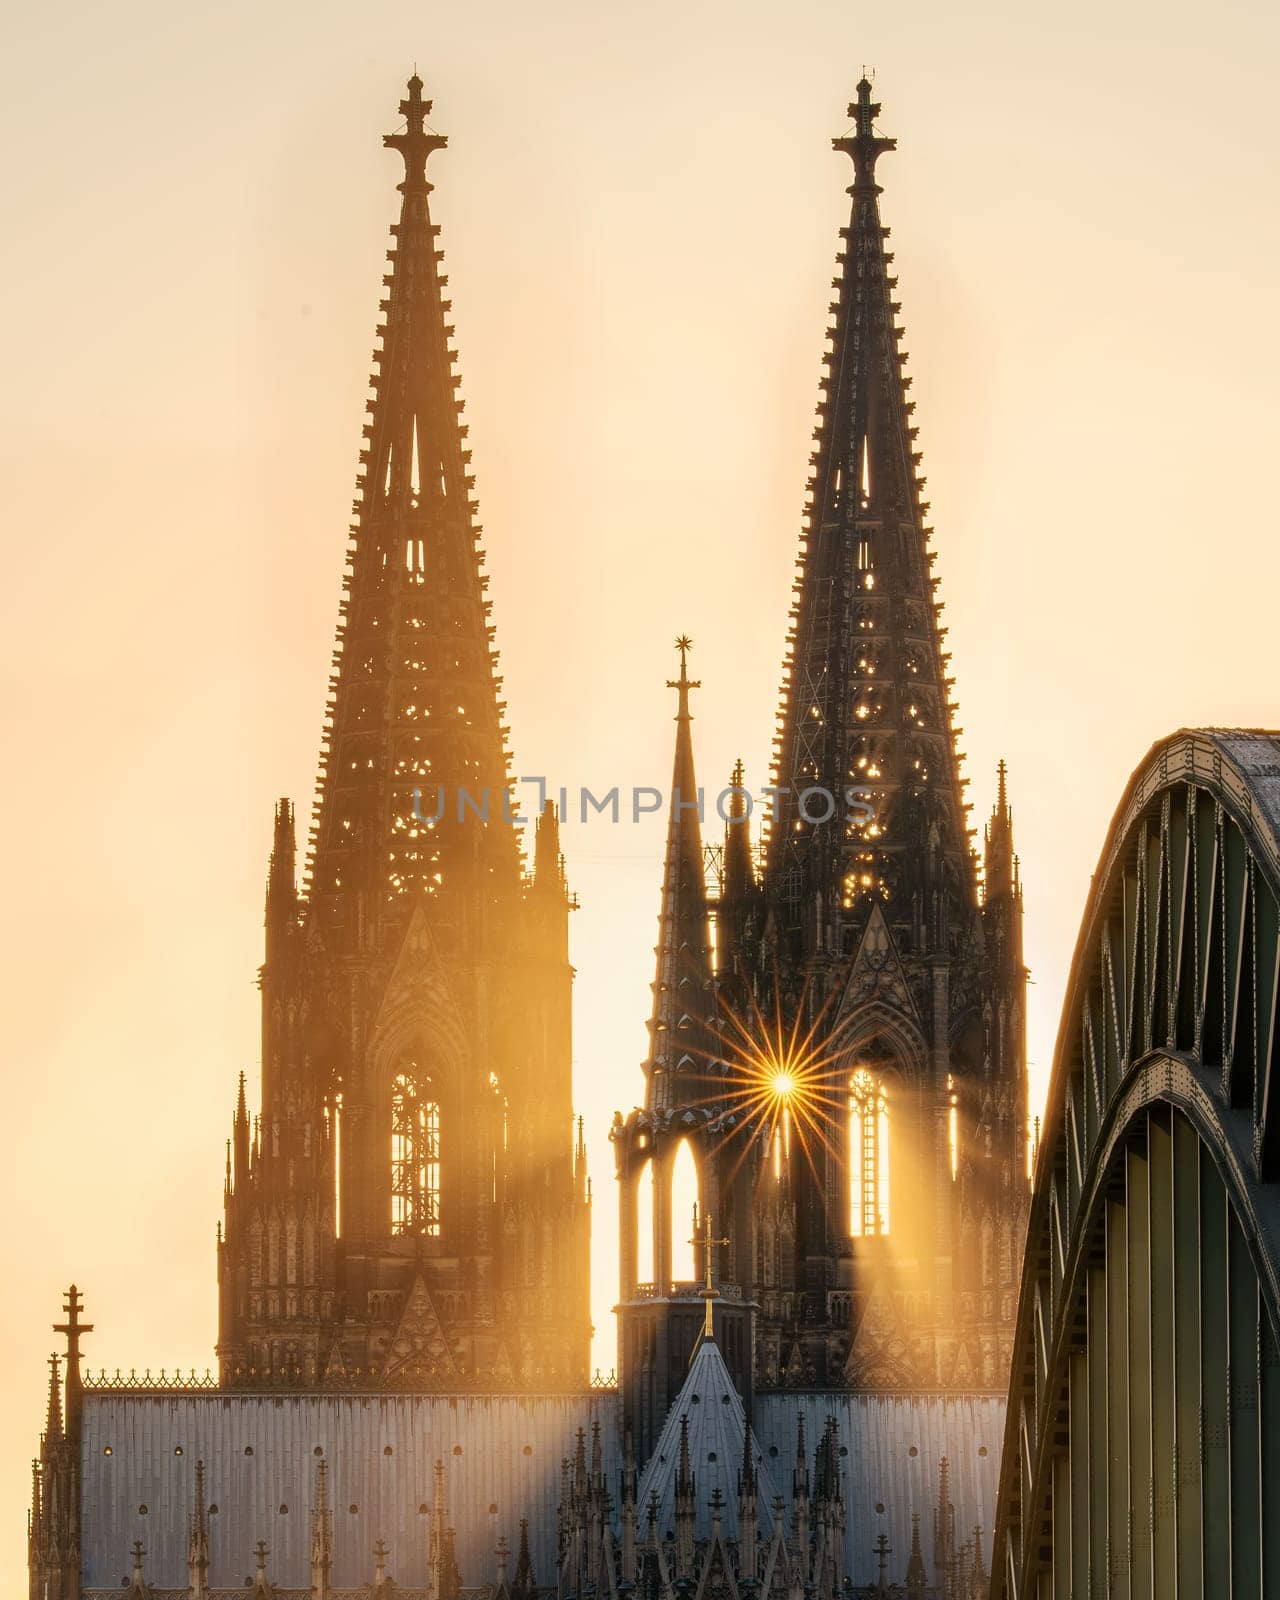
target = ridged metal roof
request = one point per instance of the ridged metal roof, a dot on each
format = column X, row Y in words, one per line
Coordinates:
column 502, row 1458
column 717, row 1423
column 894, row 1444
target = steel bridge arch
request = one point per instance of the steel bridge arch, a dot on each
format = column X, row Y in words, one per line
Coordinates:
column 1142, row 1442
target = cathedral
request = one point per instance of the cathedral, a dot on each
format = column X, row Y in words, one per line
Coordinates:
column 403, row 1402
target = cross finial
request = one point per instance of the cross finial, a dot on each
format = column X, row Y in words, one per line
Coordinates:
column 709, row 1291
column 72, row 1306
column 684, row 682
column 260, row 1550
column 415, row 144
column 864, row 145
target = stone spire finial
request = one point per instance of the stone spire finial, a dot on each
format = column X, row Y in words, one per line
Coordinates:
column 864, row 145
column 416, row 143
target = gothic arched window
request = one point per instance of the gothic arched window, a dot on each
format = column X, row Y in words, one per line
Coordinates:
column 682, row 1215
column 868, row 1155
column 415, row 1159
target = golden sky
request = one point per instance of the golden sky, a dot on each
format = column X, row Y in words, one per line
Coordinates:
column 640, row 216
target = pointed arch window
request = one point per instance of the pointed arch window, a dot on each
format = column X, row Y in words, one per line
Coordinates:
column 415, row 1159
column 683, row 1214
column 868, row 1155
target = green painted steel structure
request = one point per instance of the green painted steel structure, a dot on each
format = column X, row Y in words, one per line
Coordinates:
column 1142, row 1445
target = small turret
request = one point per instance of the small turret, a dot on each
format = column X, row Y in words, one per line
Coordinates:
column 682, row 1026
column 240, row 1137
column 917, row 1577
column 739, row 878
column 978, row 1572
column 998, row 868
column 198, row 1543
column 321, row 1536
column 944, row 1528
column 748, row 1510
column 138, row 1588
column 53, row 1430
column 262, row 1589
column 800, row 1504
column 282, row 887
column 629, row 1510
column 524, row 1585
column 883, row 1551
column 548, row 862
column 685, row 1506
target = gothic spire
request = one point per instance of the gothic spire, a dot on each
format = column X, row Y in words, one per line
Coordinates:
column 74, row 1329
column 524, row 1585
column 865, row 693
column 548, row 863
column 738, row 875
column 53, row 1411
column 998, row 873
column 917, row 1577
column 944, row 1525
column 680, row 1031
column 414, row 753
column 282, row 884
column 321, row 1535
column 198, row 1543
column 240, row 1134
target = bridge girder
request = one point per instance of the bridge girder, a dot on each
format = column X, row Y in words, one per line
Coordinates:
column 1142, row 1447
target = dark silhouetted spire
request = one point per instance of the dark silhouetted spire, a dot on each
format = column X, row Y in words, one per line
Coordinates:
column 198, row 1543
column 282, row 880
column 321, row 1535
column 548, row 863
column 737, row 883
column 414, row 704
column 738, row 873
column 917, row 1577
column 998, row 873
column 944, row 1527
column 681, row 1029
column 53, row 1411
column 685, row 1505
column 240, row 1134
column 865, row 696
column 524, row 1585
column 73, row 1329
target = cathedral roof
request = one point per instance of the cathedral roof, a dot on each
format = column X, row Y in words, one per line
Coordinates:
column 704, row 1432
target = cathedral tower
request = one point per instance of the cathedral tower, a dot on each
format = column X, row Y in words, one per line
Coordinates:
column 688, row 1111
column 856, row 1095
column 410, row 1208
column 868, row 934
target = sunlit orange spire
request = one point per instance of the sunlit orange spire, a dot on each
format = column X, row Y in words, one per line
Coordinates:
column 415, row 701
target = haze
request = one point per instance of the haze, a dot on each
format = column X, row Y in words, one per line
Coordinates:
column 640, row 214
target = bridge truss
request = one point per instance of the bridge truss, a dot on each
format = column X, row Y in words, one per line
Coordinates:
column 1142, row 1447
